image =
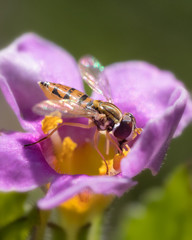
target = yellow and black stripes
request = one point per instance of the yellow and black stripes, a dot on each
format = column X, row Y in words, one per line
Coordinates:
column 69, row 92
column 82, row 99
column 57, row 92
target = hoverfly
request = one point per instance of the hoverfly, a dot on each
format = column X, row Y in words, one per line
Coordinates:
column 70, row 102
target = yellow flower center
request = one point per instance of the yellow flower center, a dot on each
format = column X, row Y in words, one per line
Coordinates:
column 69, row 158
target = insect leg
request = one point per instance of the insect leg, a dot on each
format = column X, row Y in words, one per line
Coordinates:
column 113, row 141
column 42, row 139
column 107, row 146
column 90, row 125
column 97, row 149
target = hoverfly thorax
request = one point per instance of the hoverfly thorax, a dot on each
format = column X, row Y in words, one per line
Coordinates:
column 112, row 115
column 125, row 128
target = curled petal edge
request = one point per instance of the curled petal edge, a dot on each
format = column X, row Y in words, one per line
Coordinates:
column 65, row 187
column 150, row 149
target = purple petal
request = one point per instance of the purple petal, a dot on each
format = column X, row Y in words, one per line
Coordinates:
column 22, row 168
column 66, row 187
column 144, row 90
column 150, row 149
column 26, row 61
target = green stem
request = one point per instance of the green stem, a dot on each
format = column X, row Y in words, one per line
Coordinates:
column 40, row 228
column 95, row 229
column 72, row 233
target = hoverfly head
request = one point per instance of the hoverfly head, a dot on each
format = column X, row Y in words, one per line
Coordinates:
column 125, row 128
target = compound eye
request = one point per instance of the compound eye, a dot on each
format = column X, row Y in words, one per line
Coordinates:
column 125, row 127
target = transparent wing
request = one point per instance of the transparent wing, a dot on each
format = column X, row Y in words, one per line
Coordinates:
column 67, row 108
column 91, row 69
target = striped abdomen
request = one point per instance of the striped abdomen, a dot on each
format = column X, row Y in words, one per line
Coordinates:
column 58, row 92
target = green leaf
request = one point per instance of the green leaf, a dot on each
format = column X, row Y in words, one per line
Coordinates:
column 11, row 207
column 34, row 226
column 54, row 232
column 21, row 228
column 165, row 213
column 17, row 230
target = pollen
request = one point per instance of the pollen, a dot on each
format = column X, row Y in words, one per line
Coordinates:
column 80, row 209
column 114, row 164
column 50, row 122
column 102, row 169
column 137, row 131
column 65, row 155
column 69, row 158
column 118, row 157
column 79, row 202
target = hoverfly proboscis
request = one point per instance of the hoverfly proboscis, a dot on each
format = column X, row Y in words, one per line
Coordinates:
column 72, row 103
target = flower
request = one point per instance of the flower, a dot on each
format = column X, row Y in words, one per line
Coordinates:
column 159, row 102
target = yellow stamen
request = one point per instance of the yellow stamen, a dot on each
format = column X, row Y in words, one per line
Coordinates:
column 102, row 169
column 115, row 163
column 118, row 157
column 64, row 156
column 50, row 122
column 137, row 131
column 69, row 158
column 81, row 208
column 80, row 202
column 72, row 159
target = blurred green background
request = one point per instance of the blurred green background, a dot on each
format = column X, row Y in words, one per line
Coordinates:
column 159, row 32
